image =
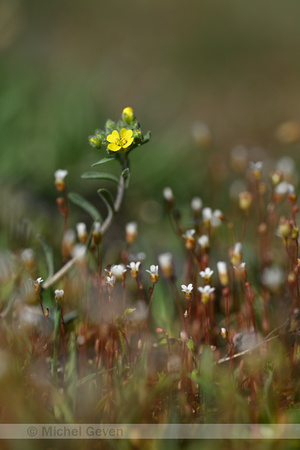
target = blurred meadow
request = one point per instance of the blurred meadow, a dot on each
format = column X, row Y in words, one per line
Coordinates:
column 206, row 77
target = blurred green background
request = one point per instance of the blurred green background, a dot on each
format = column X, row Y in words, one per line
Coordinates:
column 66, row 66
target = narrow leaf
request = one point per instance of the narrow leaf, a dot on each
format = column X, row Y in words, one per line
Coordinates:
column 99, row 176
column 103, row 160
column 84, row 204
column 48, row 255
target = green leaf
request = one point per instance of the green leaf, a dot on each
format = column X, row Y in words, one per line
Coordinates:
column 108, row 200
column 99, row 176
column 87, row 206
column 103, row 161
column 48, row 255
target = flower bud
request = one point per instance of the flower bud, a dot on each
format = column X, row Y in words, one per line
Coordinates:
column 203, row 241
column 96, row 233
column 131, row 232
column 224, row 333
column 128, row 115
column 236, row 257
column 166, row 264
column 59, row 181
column 168, row 197
column 95, row 141
column 82, row 232
column 245, row 200
column 223, row 273
column 189, row 239
column 285, row 228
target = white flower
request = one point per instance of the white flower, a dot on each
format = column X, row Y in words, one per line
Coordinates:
column 118, row 271
column 284, row 188
column 189, row 234
column 59, row 294
column 206, row 289
column 216, row 218
column 205, row 293
column 203, row 241
column 39, row 280
column 168, row 194
column 256, row 165
column 187, row 289
column 206, row 274
column 60, row 175
column 196, row 204
column 154, row 276
column 110, row 281
column 134, row 268
column 207, row 214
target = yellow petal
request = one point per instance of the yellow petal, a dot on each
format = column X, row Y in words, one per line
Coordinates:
column 129, row 142
column 126, row 134
column 113, row 147
column 113, row 136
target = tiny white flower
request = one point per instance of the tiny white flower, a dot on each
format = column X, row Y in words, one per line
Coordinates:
column 216, row 218
column 256, row 165
column 189, row 234
column 284, row 188
column 206, row 289
column 205, row 293
column 153, row 273
column 207, row 214
column 153, row 269
column 187, row 289
column 196, row 204
column 168, row 194
column 118, row 271
column 206, row 274
column 39, row 280
column 110, row 281
column 203, row 241
column 134, row 268
column 60, row 175
column 59, row 293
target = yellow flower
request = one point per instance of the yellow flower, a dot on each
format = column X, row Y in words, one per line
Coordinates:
column 118, row 142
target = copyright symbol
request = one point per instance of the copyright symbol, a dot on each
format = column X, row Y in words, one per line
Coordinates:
column 32, row 431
